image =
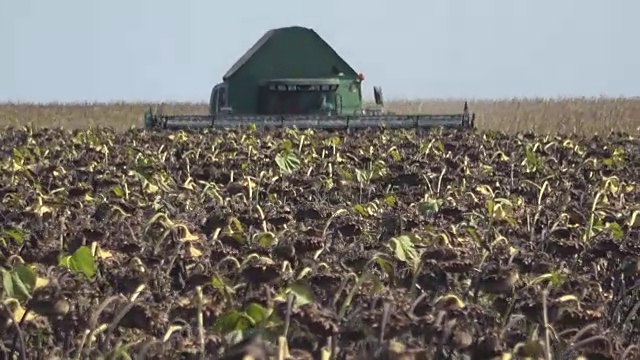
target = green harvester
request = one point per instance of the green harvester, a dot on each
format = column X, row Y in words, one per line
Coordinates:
column 291, row 77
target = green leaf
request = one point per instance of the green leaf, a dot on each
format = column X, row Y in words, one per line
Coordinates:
column 235, row 226
column 266, row 239
column 233, row 320
column 218, row 282
column 616, row 231
column 361, row 176
column 20, row 289
column 390, row 200
column 403, row 248
column 474, row 234
column 360, row 209
column 118, row 191
column 428, row 207
column 303, row 295
column 258, row 313
column 17, row 154
column 287, row 162
column 82, row 261
column 222, row 285
column 490, row 205
column 27, row 276
column 14, row 233
column 386, row 266
column 19, row 282
column 345, row 174
column 396, row 155
column 333, row 141
column 399, row 250
column 7, row 283
column 557, row 278
column 531, row 159
column 286, row 146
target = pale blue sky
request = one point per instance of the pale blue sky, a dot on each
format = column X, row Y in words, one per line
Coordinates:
column 77, row 50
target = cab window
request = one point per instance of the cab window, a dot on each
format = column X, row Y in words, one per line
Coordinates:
column 213, row 102
column 222, row 97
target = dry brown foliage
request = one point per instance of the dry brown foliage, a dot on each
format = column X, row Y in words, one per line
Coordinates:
column 581, row 115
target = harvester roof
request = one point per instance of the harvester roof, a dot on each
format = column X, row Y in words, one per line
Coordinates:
column 273, row 34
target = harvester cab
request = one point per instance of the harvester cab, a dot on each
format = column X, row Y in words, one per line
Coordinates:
column 290, row 97
column 218, row 102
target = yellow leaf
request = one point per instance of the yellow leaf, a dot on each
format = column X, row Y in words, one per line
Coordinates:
column 193, row 251
column 498, row 212
column 188, row 235
column 484, row 190
column 19, row 312
column 486, row 169
column 566, row 298
column 249, row 184
column 449, row 301
column 151, row 189
column 184, row 301
column 634, row 220
column 178, row 137
column 40, row 282
column 189, row 184
column 104, row 254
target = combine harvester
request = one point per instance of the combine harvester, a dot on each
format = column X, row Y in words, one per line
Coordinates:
column 292, row 78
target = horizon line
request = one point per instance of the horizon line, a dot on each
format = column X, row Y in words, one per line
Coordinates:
column 425, row 99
